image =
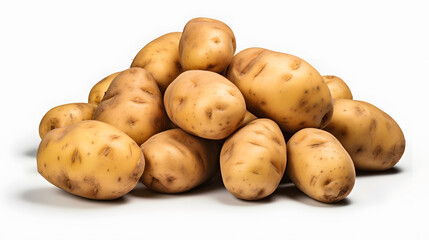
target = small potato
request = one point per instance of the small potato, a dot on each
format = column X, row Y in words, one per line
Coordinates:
column 337, row 87
column 319, row 166
column 177, row 161
column 133, row 104
column 206, row 44
column 161, row 58
column 65, row 115
column 99, row 89
column 372, row 138
column 90, row 159
column 253, row 160
column 281, row 87
column 204, row 104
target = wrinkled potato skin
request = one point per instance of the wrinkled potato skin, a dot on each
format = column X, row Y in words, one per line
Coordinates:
column 90, row 159
column 281, row 87
column 161, row 58
column 372, row 138
column 204, row 104
column 99, row 89
column 133, row 104
column 253, row 160
column 65, row 115
column 177, row 161
column 206, row 44
column 337, row 87
column 319, row 165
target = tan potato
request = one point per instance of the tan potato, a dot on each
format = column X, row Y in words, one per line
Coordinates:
column 65, row 115
column 133, row 104
column 372, row 138
column 205, row 104
column 337, row 87
column 206, row 44
column 177, row 161
column 281, row 87
column 99, row 89
column 161, row 58
column 253, row 160
column 90, row 159
column 319, row 165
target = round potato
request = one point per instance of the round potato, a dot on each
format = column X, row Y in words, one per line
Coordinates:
column 253, row 160
column 204, row 104
column 133, row 104
column 206, row 44
column 99, row 89
column 372, row 138
column 177, row 161
column 337, row 87
column 161, row 58
column 90, row 159
column 65, row 115
column 319, row 165
column 281, row 87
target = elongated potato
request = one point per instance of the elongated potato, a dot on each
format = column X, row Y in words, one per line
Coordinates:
column 319, row 166
column 99, row 89
column 204, row 104
column 65, row 115
column 161, row 58
column 133, row 104
column 90, row 159
column 253, row 160
column 337, row 87
column 177, row 161
column 372, row 138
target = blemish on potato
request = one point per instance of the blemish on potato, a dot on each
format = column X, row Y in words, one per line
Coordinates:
column 119, row 179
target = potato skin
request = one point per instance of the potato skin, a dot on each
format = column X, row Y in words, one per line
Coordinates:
column 204, row 104
column 281, row 87
column 99, row 89
column 64, row 115
column 337, row 87
column 372, row 138
column 161, row 58
column 90, row 159
column 247, row 118
column 177, row 161
column 206, row 44
column 319, row 165
column 133, row 104
column 253, row 160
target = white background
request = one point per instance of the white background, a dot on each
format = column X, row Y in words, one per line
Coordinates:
column 52, row 53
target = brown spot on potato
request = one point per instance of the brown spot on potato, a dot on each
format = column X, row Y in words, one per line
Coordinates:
column 317, row 144
column 119, row 179
column 256, row 144
column 131, row 121
column 302, row 103
column 170, row 179
column 259, row 71
column 76, row 156
column 286, row 77
column 138, row 100
column 105, row 151
column 255, row 172
column 313, row 180
column 296, row 64
column 147, row 91
column 114, row 137
column 260, row 192
column 210, row 66
column 328, row 181
column 276, row 140
column 263, row 103
column 209, row 114
column 373, row 126
column 377, row 151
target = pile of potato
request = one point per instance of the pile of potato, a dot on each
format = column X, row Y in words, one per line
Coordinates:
column 188, row 107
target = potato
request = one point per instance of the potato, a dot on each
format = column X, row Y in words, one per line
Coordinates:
column 319, row 165
column 204, row 104
column 206, row 44
column 281, row 87
column 90, row 159
column 161, row 58
column 65, row 115
column 253, row 160
column 337, row 87
column 99, row 89
column 133, row 104
column 177, row 161
column 248, row 117
column 372, row 138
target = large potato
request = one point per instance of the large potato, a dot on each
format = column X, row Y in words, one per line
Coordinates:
column 205, row 104
column 281, row 87
column 337, row 87
column 177, row 161
column 90, row 159
column 319, row 166
column 133, row 104
column 99, row 89
column 372, row 138
column 206, row 44
column 253, row 160
column 65, row 115
column 161, row 58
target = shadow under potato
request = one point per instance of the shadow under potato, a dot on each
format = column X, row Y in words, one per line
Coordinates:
column 391, row 171
column 30, row 152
